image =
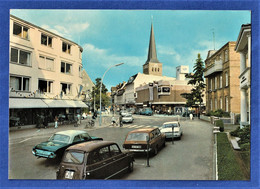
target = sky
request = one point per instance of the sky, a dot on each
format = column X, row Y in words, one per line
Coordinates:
column 109, row 37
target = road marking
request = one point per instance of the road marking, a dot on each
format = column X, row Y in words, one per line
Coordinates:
column 24, row 140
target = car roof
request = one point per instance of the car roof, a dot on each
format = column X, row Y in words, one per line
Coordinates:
column 70, row 132
column 146, row 130
column 170, row 122
column 90, row 146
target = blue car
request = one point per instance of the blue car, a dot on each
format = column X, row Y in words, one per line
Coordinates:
column 147, row 111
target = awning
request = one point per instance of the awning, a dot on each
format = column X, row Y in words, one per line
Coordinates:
column 26, row 103
column 64, row 103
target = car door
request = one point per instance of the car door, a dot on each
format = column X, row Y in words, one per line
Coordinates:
column 98, row 164
column 119, row 160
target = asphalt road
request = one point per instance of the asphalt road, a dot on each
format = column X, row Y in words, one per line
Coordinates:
column 190, row 158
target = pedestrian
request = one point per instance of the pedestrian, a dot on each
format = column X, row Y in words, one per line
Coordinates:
column 45, row 121
column 56, row 122
column 113, row 121
column 191, row 116
column 37, row 121
column 120, row 120
column 78, row 120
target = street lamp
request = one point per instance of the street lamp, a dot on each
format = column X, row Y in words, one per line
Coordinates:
column 101, row 87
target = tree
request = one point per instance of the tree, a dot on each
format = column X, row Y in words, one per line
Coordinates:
column 105, row 100
column 197, row 81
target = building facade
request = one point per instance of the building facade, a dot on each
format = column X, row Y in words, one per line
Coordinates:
column 221, row 73
column 45, row 74
column 243, row 47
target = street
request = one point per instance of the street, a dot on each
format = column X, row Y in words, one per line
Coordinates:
column 190, row 158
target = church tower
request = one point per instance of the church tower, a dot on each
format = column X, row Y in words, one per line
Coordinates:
column 152, row 65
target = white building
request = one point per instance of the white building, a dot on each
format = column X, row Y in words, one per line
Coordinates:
column 243, row 46
column 45, row 73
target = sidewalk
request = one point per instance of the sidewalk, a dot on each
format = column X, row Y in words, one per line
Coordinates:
column 30, row 132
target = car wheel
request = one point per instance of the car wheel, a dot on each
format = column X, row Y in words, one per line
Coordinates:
column 131, row 167
column 164, row 144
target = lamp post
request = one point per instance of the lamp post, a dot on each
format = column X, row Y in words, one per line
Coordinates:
column 101, row 88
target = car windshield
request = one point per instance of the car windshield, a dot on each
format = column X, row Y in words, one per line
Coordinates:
column 170, row 125
column 73, row 157
column 128, row 115
column 60, row 138
column 137, row 137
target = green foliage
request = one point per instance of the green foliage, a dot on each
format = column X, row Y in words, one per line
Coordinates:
column 218, row 113
column 197, row 81
column 244, row 135
column 228, row 167
column 96, row 94
column 235, row 132
column 220, row 124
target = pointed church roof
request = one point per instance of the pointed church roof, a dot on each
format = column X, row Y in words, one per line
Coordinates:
column 152, row 56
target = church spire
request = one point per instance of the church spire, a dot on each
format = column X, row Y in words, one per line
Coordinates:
column 152, row 56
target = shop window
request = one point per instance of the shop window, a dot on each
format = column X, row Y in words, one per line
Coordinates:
column 20, row 57
column 46, row 63
column 20, row 31
column 66, row 68
column 46, row 40
column 19, row 83
column 66, row 47
column 66, row 88
column 45, row 86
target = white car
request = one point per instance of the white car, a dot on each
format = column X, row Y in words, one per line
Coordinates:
column 127, row 118
column 171, row 127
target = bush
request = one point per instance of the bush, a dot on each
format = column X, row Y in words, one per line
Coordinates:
column 244, row 135
column 245, row 147
column 235, row 132
column 218, row 113
column 220, row 124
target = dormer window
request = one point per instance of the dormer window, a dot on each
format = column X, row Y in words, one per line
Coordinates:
column 20, row 31
column 66, row 47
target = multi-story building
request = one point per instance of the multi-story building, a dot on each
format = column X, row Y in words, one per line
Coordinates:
column 45, row 73
column 243, row 47
column 221, row 73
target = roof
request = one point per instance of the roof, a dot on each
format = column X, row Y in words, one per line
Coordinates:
column 152, row 56
column 71, row 132
column 90, row 146
column 244, row 28
column 146, row 130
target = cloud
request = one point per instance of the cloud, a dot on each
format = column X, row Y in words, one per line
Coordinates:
column 104, row 57
column 68, row 29
column 169, row 51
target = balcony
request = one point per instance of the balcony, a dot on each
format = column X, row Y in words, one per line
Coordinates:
column 214, row 68
column 245, row 78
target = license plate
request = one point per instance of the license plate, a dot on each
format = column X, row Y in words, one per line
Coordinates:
column 135, row 146
column 69, row 174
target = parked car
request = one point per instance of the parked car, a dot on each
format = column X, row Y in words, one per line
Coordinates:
column 127, row 118
column 147, row 111
column 166, row 128
column 94, row 160
column 123, row 112
column 136, row 140
column 59, row 141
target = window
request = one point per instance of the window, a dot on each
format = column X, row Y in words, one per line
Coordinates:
column 152, row 69
column 20, row 31
column 220, row 103
column 20, row 57
column 104, row 153
column 226, row 55
column 66, row 88
column 211, row 107
column 46, row 63
column 226, row 74
column 216, row 82
column 226, row 100
column 114, row 150
column 66, row 47
column 45, row 86
column 66, row 68
column 77, row 139
column 220, row 81
column 158, row 69
column 80, row 54
column 19, row 83
column 46, row 40
column 216, row 104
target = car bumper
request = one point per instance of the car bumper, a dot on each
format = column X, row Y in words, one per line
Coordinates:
column 175, row 135
column 139, row 150
column 127, row 121
column 44, row 154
